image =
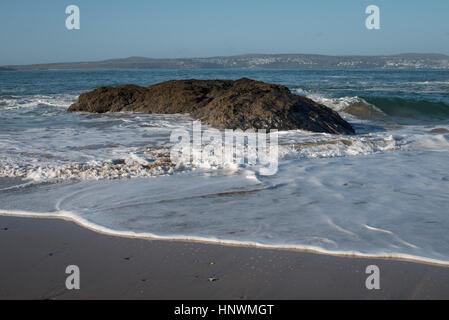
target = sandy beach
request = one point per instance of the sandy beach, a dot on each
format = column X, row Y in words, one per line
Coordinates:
column 35, row 253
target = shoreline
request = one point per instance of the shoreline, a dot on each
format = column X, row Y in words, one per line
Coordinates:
column 229, row 243
column 35, row 253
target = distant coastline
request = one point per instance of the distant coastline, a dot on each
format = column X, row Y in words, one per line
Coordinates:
column 272, row 61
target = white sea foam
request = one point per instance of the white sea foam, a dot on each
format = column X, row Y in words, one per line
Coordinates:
column 325, row 205
column 15, row 102
column 340, row 104
column 132, row 151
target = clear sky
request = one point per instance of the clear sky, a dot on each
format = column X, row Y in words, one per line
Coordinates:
column 34, row 31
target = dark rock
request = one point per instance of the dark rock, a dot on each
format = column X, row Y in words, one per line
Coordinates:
column 224, row 104
column 118, row 161
column 439, row 130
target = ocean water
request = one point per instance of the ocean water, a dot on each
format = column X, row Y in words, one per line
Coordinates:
column 381, row 192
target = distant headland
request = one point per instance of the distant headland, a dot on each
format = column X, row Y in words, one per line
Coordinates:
column 272, row 61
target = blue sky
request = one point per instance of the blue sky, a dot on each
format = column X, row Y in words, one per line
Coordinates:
column 34, row 31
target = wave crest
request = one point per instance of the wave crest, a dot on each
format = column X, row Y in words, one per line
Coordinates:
column 378, row 108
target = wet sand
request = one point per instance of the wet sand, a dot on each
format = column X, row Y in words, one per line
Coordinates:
column 34, row 253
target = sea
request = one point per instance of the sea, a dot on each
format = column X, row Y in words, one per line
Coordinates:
column 382, row 192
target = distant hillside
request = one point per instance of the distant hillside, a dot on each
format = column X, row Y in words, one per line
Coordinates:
column 400, row 61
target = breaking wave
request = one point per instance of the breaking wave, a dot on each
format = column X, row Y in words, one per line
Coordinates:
column 421, row 110
column 405, row 111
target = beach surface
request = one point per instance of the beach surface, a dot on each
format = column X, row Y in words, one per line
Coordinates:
column 36, row 251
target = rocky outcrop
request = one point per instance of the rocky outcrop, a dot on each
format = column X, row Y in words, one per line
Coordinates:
column 224, row 104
